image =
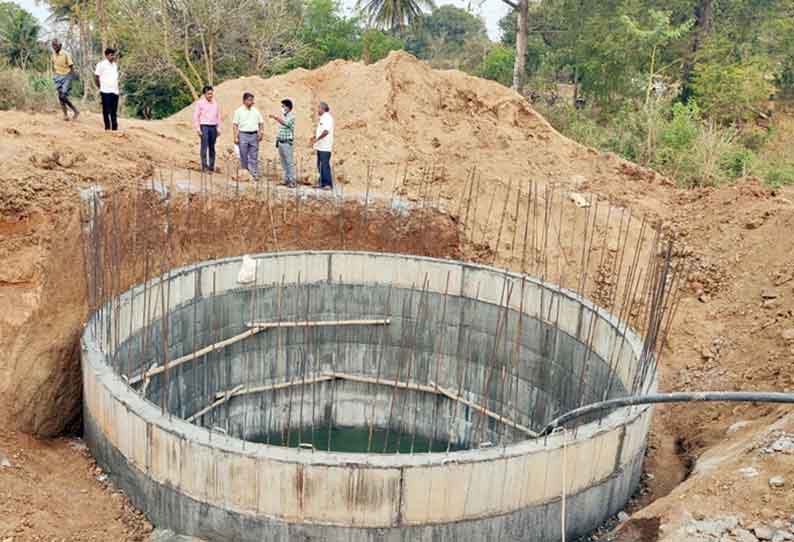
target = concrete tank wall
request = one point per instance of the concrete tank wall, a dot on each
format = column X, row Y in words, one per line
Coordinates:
column 211, row 485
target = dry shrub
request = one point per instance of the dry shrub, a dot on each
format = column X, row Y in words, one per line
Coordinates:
column 25, row 90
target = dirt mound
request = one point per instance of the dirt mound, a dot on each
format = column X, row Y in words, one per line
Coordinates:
column 400, row 112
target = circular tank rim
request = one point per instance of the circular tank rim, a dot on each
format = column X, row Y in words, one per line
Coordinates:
column 152, row 413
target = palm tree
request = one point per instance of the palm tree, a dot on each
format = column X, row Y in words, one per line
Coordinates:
column 393, row 15
column 19, row 35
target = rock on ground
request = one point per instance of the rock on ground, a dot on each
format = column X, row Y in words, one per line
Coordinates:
column 167, row 535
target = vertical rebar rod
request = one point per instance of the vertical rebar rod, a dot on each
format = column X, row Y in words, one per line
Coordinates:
column 415, row 393
column 487, row 369
column 502, row 223
column 384, row 330
column 275, row 358
column 463, row 359
column 440, row 345
column 420, row 313
column 400, row 356
column 334, row 359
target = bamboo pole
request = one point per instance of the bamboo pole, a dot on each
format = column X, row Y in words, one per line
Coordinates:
column 257, row 327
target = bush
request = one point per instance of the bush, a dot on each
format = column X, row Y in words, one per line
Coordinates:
column 738, row 161
column 14, row 89
column 778, row 174
column 377, row 45
column 498, row 65
column 19, row 90
column 683, row 128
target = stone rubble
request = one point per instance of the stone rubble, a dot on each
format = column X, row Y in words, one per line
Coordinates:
column 784, row 443
column 748, row 472
column 732, row 529
column 166, row 535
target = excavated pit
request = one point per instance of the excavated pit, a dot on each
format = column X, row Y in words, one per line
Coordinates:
column 362, row 396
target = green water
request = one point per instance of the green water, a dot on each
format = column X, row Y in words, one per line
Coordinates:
column 355, row 440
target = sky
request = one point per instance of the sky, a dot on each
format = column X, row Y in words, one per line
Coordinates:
column 490, row 10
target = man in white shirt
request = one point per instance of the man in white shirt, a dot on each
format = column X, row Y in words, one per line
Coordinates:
column 106, row 76
column 323, row 144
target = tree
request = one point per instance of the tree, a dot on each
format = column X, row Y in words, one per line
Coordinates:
column 521, row 9
column 449, row 37
column 648, row 41
column 451, row 24
column 395, row 15
column 19, row 35
column 326, row 34
column 727, row 86
column 536, row 47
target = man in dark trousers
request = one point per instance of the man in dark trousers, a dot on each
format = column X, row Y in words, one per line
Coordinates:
column 106, row 76
column 207, row 123
column 324, row 144
column 63, row 73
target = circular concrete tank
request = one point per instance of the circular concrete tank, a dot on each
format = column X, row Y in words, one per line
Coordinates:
column 361, row 396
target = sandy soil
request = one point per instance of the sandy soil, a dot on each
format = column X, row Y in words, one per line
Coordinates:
column 398, row 115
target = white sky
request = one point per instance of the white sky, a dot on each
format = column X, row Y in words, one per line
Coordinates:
column 490, row 10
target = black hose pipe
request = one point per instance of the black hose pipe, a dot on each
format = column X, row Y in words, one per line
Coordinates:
column 680, row 397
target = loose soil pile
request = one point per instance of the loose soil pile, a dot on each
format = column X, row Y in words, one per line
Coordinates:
column 735, row 328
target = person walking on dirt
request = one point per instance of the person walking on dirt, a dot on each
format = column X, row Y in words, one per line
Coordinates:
column 248, row 126
column 284, row 141
column 106, row 76
column 207, row 123
column 63, row 73
column 323, row 144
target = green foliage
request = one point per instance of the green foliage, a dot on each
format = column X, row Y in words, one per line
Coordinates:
column 151, row 96
column 778, row 174
column 738, row 161
column 19, row 36
column 449, row 24
column 394, row 15
column 536, row 48
column 683, row 145
column 728, row 86
column 376, row 45
column 498, row 65
column 449, row 37
column 24, row 90
column 327, row 35
column 682, row 130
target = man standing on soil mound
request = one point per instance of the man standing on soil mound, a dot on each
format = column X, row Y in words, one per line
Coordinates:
column 249, row 128
column 207, row 123
column 106, row 76
column 323, row 144
column 63, row 73
column 284, row 141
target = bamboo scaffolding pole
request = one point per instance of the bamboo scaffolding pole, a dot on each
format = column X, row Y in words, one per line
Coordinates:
column 257, row 327
column 431, row 387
